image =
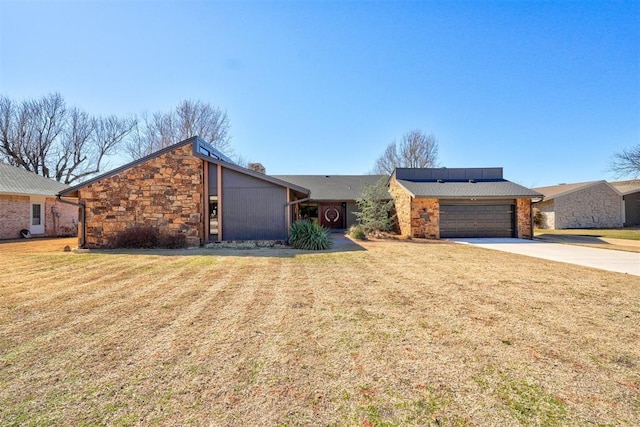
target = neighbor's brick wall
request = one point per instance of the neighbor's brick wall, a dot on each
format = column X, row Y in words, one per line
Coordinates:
column 15, row 212
column 598, row 206
column 548, row 214
column 523, row 219
column 60, row 219
column 164, row 192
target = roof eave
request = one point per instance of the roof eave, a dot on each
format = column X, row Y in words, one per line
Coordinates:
column 254, row 174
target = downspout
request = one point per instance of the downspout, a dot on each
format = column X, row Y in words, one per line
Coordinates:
column 82, row 217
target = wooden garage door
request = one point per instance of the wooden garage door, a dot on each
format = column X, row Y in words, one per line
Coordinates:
column 477, row 220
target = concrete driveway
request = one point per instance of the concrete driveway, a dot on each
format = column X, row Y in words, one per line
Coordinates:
column 604, row 259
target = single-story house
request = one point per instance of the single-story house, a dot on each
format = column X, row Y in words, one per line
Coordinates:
column 28, row 202
column 190, row 188
column 438, row 203
column 594, row 204
column 630, row 191
column 333, row 197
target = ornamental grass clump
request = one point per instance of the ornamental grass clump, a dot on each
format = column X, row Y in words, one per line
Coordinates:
column 309, row 236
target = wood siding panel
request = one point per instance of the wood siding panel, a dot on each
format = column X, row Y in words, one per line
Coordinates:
column 253, row 209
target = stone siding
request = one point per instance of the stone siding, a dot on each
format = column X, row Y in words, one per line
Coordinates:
column 14, row 215
column 415, row 217
column 425, row 218
column 546, row 208
column 165, row 192
column 402, row 201
column 523, row 219
column 597, row 206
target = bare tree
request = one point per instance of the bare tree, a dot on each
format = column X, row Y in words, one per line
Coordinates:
column 416, row 150
column 627, row 162
column 189, row 118
column 45, row 137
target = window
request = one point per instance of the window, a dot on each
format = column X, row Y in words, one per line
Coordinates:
column 213, row 214
column 36, row 214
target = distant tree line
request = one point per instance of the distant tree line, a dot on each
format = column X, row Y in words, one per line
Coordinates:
column 47, row 137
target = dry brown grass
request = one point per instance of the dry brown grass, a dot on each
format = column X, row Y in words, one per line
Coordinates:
column 400, row 333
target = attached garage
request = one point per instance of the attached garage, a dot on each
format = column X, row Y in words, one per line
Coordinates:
column 485, row 219
column 447, row 203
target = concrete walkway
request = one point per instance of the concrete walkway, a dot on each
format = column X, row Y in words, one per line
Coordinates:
column 604, row 259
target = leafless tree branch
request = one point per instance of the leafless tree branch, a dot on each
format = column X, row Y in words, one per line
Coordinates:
column 627, row 162
column 416, row 150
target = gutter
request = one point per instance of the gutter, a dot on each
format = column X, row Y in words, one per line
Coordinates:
column 82, row 217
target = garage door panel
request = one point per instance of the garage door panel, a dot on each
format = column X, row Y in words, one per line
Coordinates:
column 477, row 220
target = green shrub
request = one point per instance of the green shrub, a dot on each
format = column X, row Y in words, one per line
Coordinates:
column 147, row 237
column 375, row 208
column 357, row 232
column 309, row 236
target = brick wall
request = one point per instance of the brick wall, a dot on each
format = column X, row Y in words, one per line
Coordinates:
column 523, row 219
column 60, row 219
column 164, row 192
column 15, row 213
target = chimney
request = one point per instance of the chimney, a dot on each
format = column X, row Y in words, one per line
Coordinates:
column 257, row 167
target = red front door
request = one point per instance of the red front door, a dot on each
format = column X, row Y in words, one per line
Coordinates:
column 331, row 215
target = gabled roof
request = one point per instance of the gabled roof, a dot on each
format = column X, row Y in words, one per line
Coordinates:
column 202, row 150
column 14, row 180
column 627, row 187
column 333, row 187
column 554, row 191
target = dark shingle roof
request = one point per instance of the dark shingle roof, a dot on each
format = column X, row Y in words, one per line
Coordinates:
column 333, row 187
column 14, row 180
column 480, row 189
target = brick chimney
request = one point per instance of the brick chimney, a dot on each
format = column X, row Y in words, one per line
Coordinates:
column 257, row 167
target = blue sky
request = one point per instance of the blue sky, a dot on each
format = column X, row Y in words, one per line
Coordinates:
column 547, row 90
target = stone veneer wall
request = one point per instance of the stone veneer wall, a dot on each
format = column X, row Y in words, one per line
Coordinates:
column 548, row 214
column 523, row 219
column 415, row 217
column 596, row 206
column 402, row 202
column 164, row 192
column 14, row 215
column 425, row 218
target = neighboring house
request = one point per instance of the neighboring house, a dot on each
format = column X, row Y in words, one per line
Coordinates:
column 594, row 204
column 460, row 202
column 28, row 202
column 333, row 197
column 630, row 191
column 189, row 188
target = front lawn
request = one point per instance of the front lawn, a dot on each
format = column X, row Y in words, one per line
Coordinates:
column 611, row 233
column 399, row 333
